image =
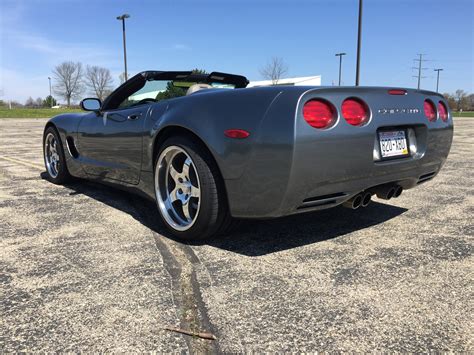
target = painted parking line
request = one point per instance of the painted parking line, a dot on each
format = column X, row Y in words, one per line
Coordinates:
column 24, row 162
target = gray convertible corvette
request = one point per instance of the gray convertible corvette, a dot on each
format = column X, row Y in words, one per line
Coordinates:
column 208, row 150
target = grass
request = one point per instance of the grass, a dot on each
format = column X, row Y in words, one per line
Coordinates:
column 5, row 112
column 463, row 114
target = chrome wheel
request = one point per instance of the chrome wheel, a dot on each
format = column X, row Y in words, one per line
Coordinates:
column 177, row 188
column 51, row 155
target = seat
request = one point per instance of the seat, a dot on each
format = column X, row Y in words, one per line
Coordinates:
column 196, row 87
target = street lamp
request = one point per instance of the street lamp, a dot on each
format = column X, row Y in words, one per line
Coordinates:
column 437, row 78
column 122, row 18
column 359, row 38
column 340, row 65
column 50, row 96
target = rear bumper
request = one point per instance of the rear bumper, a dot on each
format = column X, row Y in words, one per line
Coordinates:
column 318, row 169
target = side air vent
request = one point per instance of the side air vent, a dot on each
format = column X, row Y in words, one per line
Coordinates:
column 71, row 147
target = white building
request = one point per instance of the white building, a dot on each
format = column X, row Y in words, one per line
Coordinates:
column 298, row 81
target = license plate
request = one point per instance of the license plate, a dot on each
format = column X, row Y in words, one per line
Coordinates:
column 393, row 144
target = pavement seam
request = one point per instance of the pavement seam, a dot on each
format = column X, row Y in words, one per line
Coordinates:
column 23, row 162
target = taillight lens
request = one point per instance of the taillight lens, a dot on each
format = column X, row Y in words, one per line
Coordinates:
column 430, row 111
column 443, row 111
column 319, row 113
column 355, row 112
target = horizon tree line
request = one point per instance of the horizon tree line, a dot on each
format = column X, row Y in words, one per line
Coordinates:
column 71, row 80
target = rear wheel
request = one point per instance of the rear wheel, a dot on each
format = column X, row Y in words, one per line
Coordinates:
column 189, row 190
column 54, row 158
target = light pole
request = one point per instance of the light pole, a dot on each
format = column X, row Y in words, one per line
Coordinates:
column 359, row 38
column 122, row 18
column 340, row 65
column 437, row 78
column 50, row 96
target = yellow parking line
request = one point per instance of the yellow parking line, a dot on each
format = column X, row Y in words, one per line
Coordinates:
column 24, row 162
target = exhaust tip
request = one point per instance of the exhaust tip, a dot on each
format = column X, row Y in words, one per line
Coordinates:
column 366, row 199
column 390, row 193
column 357, row 201
column 398, row 191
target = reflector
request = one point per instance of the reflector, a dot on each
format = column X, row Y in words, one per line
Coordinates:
column 236, row 133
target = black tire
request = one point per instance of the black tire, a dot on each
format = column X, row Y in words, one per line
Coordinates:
column 63, row 175
column 213, row 218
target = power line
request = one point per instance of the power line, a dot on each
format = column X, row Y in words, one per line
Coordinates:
column 420, row 60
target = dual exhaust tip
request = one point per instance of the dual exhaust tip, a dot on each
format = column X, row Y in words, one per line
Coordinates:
column 386, row 192
column 363, row 199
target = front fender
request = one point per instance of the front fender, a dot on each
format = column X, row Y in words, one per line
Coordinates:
column 67, row 126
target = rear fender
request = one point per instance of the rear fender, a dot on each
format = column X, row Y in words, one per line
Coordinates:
column 208, row 115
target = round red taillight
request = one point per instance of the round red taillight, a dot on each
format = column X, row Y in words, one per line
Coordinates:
column 443, row 111
column 355, row 112
column 319, row 113
column 430, row 110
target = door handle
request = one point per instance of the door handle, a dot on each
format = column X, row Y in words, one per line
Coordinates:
column 134, row 116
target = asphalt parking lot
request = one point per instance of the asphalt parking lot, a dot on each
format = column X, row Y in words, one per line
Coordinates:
column 85, row 267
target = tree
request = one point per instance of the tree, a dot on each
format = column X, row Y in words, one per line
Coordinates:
column 461, row 99
column 451, row 101
column 171, row 92
column 274, row 70
column 99, row 81
column 121, row 78
column 29, row 102
column 176, row 91
column 49, row 101
column 199, row 71
column 39, row 102
column 470, row 102
column 68, row 80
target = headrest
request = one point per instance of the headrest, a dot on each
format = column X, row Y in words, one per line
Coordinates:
column 196, row 87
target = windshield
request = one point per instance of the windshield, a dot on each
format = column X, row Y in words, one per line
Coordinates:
column 157, row 90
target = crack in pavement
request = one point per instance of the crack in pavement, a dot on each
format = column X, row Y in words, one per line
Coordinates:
column 180, row 262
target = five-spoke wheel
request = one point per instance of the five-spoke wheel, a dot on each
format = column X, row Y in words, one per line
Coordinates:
column 51, row 155
column 177, row 182
column 189, row 191
column 54, row 159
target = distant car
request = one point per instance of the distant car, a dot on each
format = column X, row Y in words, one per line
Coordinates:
column 209, row 150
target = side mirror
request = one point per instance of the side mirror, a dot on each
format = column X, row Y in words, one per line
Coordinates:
column 91, row 104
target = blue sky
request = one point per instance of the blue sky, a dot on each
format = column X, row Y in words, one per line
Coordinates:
column 239, row 37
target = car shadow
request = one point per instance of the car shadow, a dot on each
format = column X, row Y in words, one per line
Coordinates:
column 251, row 237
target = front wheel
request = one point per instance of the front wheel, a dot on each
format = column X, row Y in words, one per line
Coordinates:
column 189, row 190
column 54, row 159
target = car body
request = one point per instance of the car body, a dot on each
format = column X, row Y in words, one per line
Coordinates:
column 269, row 158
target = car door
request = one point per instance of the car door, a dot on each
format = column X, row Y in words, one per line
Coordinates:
column 111, row 143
